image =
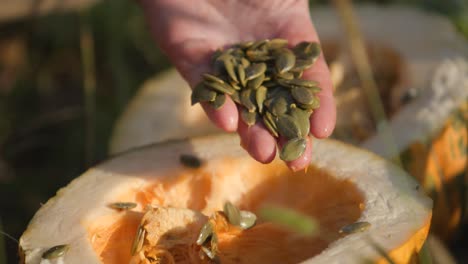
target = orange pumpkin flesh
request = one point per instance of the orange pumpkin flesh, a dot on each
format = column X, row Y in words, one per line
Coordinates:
column 276, row 184
column 343, row 185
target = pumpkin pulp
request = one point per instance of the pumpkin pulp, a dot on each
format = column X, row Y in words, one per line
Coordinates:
column 332, row 202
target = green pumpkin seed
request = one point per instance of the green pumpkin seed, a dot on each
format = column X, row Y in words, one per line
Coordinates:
column 258, row 56
column 355, row 227
column 279, row 106
column 235, row 86
column 309, row 50
column 246, row 44
column 298, row 82
column 208, row 252
column 218, row 87
column 302, row 65
column 297, row 74
column 205, row 233
column 258, row 44
column 288, row 127
column 249, row 118
column 285, row 75
column 245, row 62
column 218, row 102
column 241, row 75
column 248, row 100
column 122, row 205
column 55, row 252
column 312, row 106
column 236, row 97
column 232, row 213
column 255, row 83
column 138, row 242
column 190, row 161
column 284, row 61
column 247, row 219
column 202, row 94
column 302, row 95
column 302, row 118
column 212, row 78
column 293, row 149
column 276, row 44
column 228, row 62
column 255, row 70
column 260, row 96
column 269, row 123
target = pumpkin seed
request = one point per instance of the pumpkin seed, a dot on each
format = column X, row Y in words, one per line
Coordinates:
column 288, row 127
column 355, row 227
column 314, row 105
column 212, row 78
column 202, row 94
column 245, row 62
column 241, row 74
column 293, row 149
column 205, row 233
column 236, row 97
column 298, row 82
column 310, row 50
column 246, row 44
column 255, row 70
column 247, row 99
column 139, row 239
column 276, row 44
column 235, row 86
column 258, row 55
column 232, row 213
column 210, row 254
column 297, row 74
column 279, row 106
column 219, row 101
column 260, row 96
column 270, row 124
column 255, row 83
column 285, row 75
column 249, row 118
column 302, row 64
column 247, row 219
column 220, row 87
column 55, row 252
column 229, row 66
column 285, row 60
column 122, row 205
column 258, row 44
column 190, row 161
column 302, row 95
column 302, row 119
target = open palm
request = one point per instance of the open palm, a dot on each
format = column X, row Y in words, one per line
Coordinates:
column 190, row 31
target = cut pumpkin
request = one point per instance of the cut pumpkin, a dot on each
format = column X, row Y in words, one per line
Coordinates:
column 342, row 185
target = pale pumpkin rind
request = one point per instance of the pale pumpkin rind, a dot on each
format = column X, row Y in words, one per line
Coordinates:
column 346, row 183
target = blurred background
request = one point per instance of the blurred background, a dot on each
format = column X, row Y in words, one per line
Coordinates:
column 66, row 76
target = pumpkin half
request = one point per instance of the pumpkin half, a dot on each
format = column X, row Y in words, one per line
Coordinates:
column 342, row 185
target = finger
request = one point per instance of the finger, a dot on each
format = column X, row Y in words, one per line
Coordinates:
column 258, row 142
column 226, row 117
column 324, row 118
column 303, row 161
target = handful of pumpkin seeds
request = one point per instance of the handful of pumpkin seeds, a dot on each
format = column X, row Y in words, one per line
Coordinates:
column 264, row 78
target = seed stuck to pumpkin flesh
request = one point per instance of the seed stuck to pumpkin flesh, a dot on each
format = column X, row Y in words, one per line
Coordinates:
column 55, row 252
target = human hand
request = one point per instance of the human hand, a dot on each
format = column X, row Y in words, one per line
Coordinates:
column 190, row 31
